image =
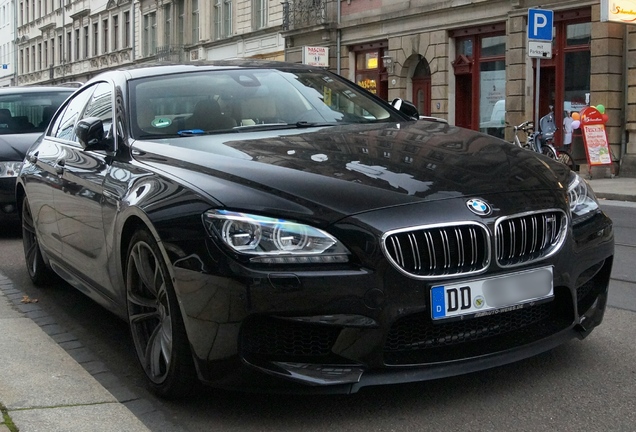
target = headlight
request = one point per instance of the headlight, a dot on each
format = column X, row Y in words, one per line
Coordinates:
column 274, row 241
column 581, row 197
column 10, row 169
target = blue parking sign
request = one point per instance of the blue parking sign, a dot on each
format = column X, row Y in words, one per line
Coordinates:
column 540, row 24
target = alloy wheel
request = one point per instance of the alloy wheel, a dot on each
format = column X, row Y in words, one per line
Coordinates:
column 149, row 311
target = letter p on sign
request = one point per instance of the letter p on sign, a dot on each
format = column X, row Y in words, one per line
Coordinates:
column 540, row 24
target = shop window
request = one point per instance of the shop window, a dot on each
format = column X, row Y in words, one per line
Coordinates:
column 370, row 72
column 480, row 78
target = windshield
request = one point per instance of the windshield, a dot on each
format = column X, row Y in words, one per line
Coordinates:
column 28, row 112
column 247, row 99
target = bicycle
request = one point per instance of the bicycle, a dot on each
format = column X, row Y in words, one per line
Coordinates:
column 542, row 143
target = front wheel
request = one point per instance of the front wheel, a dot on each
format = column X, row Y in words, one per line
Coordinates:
column 155, row 321
column 38, row 271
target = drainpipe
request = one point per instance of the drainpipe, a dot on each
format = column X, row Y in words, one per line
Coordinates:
column 625, row 92
column 338, row 39
column 15, row 43
column 133, row 31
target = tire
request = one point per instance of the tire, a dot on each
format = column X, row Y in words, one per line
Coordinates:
column 155, row 320
column 549, row 152
column 39, row 272
column 566, row 158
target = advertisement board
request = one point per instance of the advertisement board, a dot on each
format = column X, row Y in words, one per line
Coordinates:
column 316, row 56
column 622, row 11
column 595, row 137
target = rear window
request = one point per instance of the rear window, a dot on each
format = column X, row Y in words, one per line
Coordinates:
column 29, row 112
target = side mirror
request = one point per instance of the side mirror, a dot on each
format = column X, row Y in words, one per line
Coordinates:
column 90, row 134
column 406, row 107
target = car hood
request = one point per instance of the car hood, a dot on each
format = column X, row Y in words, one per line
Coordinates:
column 351, row 168
column 13, row 147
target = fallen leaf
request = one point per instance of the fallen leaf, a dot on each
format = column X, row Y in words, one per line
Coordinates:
column 27, row 299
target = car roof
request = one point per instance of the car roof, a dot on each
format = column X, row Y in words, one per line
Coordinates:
column 164, row 68
column 36, row 89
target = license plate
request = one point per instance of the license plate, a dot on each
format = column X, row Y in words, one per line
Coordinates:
column 487, row 296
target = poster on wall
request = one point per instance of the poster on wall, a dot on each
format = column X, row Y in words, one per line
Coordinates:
column 595, row 137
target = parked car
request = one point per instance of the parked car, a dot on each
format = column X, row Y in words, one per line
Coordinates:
column 24, row 113
column 273, row 226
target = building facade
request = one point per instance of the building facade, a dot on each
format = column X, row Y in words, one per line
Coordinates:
column 466, row 61
column 7, row 35
column 72, row 40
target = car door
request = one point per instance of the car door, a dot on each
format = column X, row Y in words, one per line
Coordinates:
column 79, row 200
column 47, row 182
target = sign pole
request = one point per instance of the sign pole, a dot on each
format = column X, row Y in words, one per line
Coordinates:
column 536, row 94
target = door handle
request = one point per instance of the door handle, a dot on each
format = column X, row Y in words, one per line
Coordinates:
column 59, row 166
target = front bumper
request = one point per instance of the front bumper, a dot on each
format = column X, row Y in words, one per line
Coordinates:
column 337, row 331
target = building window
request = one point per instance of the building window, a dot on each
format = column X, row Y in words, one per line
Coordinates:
column 127, row 29
column 39, row 56
column 222, row 18
column 60, row 50
column 195, row 21
column 227, row 18
column 21, row 13
column 259, row 8
column 167, row 30
column 180, row 21
column 69, row 48
column 115, row 44
column 217, row 19
column 52, row 50
column 95, row 39
column 77, row 44
column 480, row 78
column 86, row 44
column 150, row 34
column 370, row 72
column 46, row 54
column 105, row 35
column 22, row 70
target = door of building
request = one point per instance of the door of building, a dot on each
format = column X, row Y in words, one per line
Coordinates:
column 422, row 87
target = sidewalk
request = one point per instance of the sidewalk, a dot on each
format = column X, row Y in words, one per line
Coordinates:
column 42, row 388
column 617, row 188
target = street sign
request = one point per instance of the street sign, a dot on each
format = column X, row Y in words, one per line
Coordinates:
column 539, row 49
column 540, row 24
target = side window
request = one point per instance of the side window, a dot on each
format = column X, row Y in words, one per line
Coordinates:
column 101, row 106
column 64, row 127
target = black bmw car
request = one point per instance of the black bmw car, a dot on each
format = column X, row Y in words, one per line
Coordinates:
column 270, row 226
column 24, row 113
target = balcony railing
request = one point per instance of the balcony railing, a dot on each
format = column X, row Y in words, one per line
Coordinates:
column 170, row 53
column 304, row 13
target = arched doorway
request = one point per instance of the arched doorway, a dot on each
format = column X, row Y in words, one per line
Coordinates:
column 422, row 87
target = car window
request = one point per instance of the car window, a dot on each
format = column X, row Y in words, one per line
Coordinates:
column 64, row 125
column 29, row 112
column 224, row 100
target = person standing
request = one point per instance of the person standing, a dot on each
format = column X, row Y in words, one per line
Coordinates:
column 567, row 130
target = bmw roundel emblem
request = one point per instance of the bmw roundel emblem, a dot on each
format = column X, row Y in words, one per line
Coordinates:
column 479, row 206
